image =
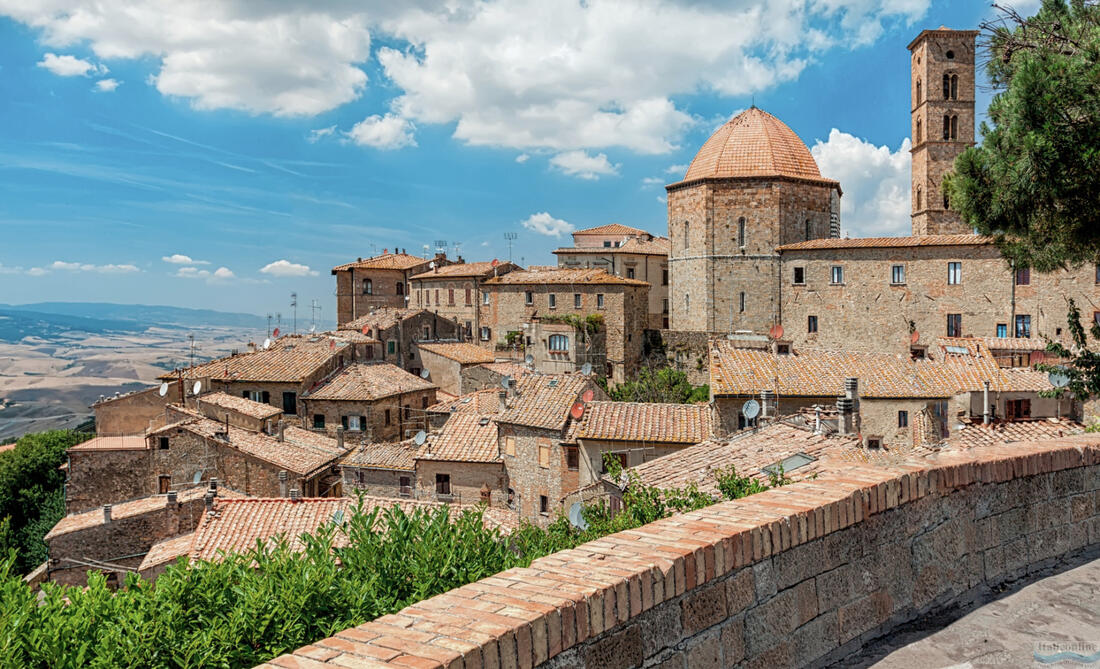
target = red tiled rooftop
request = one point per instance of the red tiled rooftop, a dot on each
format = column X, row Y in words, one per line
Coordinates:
column 241, row 405
column 888, row 242
column 290, row 359
column 466, row 270
column 562, row 276
column 127, row 442
column 135, row 507
column 461, row 352
column 611, row 229
column 382, row 318
column 383, row 455
column 543, row 400
column 369, row 382
column 976, row 435
column 394, row 261
column 465, row 437
column 643, row 422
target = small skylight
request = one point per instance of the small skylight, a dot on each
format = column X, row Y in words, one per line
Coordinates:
column 957, row 350
column 465, row 400
column 789, row 464
column 553, row 383
column 338, row 517
column 483, row 421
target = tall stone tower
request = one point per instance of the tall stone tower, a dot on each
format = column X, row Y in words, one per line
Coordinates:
column 942, row 82
column 752, row 187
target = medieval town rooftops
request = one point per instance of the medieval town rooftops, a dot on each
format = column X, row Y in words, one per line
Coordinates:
column 508, row 368
column 973, row 434
column 611, row 229
column 544, row 400
column 887, row 242
column 241, row 405
column 135, row 507
column 128, row 442
column 301, row 451
column 643, row 422
column 754, row 144
column 562, row 276
column 366, row 381
column 395, row 456
column 394, row 261
column 352, row 337
column 461, row 352
column 643, row 245
column 289, row 360
column 480, row 402
column 1014, row 343
column 465, row 437
column 482, row 270
column 382, row 318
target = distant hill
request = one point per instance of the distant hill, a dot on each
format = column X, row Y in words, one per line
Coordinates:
column 15, row 325
column 142, row 314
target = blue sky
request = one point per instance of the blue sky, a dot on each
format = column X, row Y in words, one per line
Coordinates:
column 225, row 159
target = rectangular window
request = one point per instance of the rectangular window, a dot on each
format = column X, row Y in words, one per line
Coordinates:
column 837, row 275
column 572, row 458
column 811, row 324
column 368, row 287
column 1096, row 318
column 553, row 301
column 437, row 302
column 630, row 272
column 391, row 347
column 664, row 305
column 405, row 482
column 607, row 245
column 544, row 505
column 1002, row 330
column 353, row 424
column 544, row 455
column 599, row 300
column 897, row 274
column 510, row 445
column 164, row 484
column 485, row 297
column 427, row 332
column 485, row 333
column 799, row 275
column 741, row 302
column 318, row 421
column 162, row 443
column 443, row 484
column 451, row 297
column 576, row 300
column 387, row 417
column 1023, row 325
column 1023, row 276
column 954, row 273
column 528, row 297
column 469, row 297
column 903, row 419
column 664, row 277
column 256, row 395
column 290, row 400
column 954, row 325
column 1017, row 409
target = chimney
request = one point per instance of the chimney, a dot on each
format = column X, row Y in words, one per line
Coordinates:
column 817, row 420
column 986, row 419
column 208, row 500
column 340, row 437
column 845, row 423
column 767, row 401
column 282, row 483
column 851, row 391
column 282, row 430
column 214, row 485
column 172, row 497
column 106, row 514
column 173, row 513
column 294, row 496
column 503, row 397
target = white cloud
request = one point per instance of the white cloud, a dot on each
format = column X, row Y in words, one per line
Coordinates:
column 522, row 158
column 320, row 133
column 653, row 181
column 37, row 271
column 4, row 269
column 69, row 66
column 88, row 267
column 285, row 268
column 876, row 183
column 180, row 259
column 107, row 85
column 223, row 273
column 582, row 165
column 545, row 224
column 383, row 132
column 220, row 274
column 676, row 169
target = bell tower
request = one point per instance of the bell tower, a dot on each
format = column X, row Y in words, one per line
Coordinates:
column 942, row 90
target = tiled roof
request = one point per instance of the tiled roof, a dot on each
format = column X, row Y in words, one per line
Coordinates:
column 562, row 276
column 366, row 381
column 1014, row 343
column 7, row 447
column 480, row 402
column 507, row 368
column 643, row 422
column 464, row 270
column 290, row 359
column 397, row 261
column 301, row 451
column 135, row 507
column 462, row 352
column 659, row 246
column 611, row 229
column 748, row 452
column 352, row 337
column 887, row 242
column 753, row 144
column 382, row 318
column 465, row 437
column 128, row 442
column 241, row 405
column 383, row 455
column 167, row 551
column 544, row 400
column 976, row 435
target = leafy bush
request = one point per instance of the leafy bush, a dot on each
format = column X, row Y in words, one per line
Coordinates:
column 659, row 385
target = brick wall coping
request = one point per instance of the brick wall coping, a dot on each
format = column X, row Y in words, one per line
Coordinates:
column 524, row 616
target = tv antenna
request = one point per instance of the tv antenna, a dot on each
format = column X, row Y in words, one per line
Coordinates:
column 440, row 245
column 294, row 306
column 191, row 339
column 427, row 250
column 269, row 325
column 314, row 307
column 510, row 237
column 456, row 246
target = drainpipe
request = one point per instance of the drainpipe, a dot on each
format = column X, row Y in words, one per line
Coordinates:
column 985, row 405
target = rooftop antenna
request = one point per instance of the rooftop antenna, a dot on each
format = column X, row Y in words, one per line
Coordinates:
column 440, row 245
column 314, row 307
column 427, row 250
column 510, row 237
column 269, row 325
column 294, row 306
column 191, row 338
column 456, row 246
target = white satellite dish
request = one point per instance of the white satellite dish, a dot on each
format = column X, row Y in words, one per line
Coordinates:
column 420, row 437
column 1058, row 378
column 197, row 388
column 424, row 373
column 312, row 329
column 267, row 343
column 431, row 265
column 163, row 389
column 506, row 382
column 529, row 359
column 586, row 368
column 197, row 478
column 750, row 409
column 576, row 516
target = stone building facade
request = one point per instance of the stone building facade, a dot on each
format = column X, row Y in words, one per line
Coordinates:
column 369, row 402
column 378, row 281
column 452, row 291
column 942, row 92
column 400, row 330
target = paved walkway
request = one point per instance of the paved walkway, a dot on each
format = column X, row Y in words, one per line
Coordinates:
column 1053, row 622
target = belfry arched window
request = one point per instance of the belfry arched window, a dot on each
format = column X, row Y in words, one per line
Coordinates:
column 947, row 87
column 954, row 87
column 809, row 228
column 954, row 127
column 918, row 91
column 946, row 126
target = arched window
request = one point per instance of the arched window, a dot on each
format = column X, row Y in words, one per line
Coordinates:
column 946, row 126
column 741, row 303
column 687, row 230
column 918, row 91
column 918, row 134
column 559, row 343
column 400, row 288
column 920, row 196
column 809, row 228
column 954, row 127
column 741, row 231
column 947, row 87
column 368, row 287
column 954, row 87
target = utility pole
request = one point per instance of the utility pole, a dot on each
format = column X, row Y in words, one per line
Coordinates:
column 510, row 237
column 294, row 306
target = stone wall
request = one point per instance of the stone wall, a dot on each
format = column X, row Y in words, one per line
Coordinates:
column 467, row 480
column 808, row 573
column 132, row 414
column 531, row 480
column 386, row 419
column 103, row 477
column 652, row 269
column 376, row 482
column 443, row 372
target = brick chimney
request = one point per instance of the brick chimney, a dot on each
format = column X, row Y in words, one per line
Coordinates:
column 282, row 430
column 106, row 514
column 208, row 501
column 294, row 496
column 845, row 423
column 340, row 437
column 282, row 482
column 172, row 510
column 851, row 392
column 767, row 403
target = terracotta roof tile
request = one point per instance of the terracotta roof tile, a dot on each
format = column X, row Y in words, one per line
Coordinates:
column 643, row 422
column 562, row 276
column 128, row 442
column 366, row 381
column 611, row 229
column 461, row 352
column 658, row 246
column 508, row 368
column 544, row 400
column 753, row 144
column 465, row 437
column 135, row 507
column 383, row 455
column 241, row 405
column 382, row 318
column 290, row 359
column 887, row 242
column 480, row 402
column 396, row 261
column 1014, row 343
column 467, row 269
column 976, row 435
column 167, row 551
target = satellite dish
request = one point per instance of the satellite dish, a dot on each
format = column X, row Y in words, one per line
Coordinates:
column 776, row 331
column 1058, row 378
column 529, row 359
column 197, row 388
column 494, row 263
column 576, row 516
column 914, row 338
column 424, row 373
column 197, row 478
column 275, row 334
column 431, row 265
column 420, row 438
column 163, row 389
column 506, row 382
column 366, row 330
column 586, row 369
column 312, row 329
column 577, row 410
column 750, row 409
column 587, row 395
column 267, row 343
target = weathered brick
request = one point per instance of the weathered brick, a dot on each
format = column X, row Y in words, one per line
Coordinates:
column 704, row 607
column 704, row 652
column 618, row 650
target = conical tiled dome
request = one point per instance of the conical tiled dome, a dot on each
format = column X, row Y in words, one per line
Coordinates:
column 753, row 144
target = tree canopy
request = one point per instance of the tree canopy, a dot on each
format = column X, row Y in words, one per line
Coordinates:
column 1032, row 182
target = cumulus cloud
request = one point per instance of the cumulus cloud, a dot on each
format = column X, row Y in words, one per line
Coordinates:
column 545, row 224
column 383, row 132
column 320, row 133
column 70, row 66
column 676, row 169
column 181, row 259
column 107, row 85
column 652, row 181
column 37, row 271
column 88, row 267
column 876, row 183
column 285, row 268
column 583, row 165
column 220, row 274
column 6, row 269
column 522, row 158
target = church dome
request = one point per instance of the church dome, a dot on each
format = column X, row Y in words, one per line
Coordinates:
column 753, row 144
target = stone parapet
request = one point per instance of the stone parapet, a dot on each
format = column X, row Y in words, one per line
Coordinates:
column 806, row 573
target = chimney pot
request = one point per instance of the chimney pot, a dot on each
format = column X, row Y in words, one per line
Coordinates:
column 294, row 494
column 502, row 396
column 106, row 513
column 208, row 500
column 172, row 497
column 214, row 485
column 282, row 430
